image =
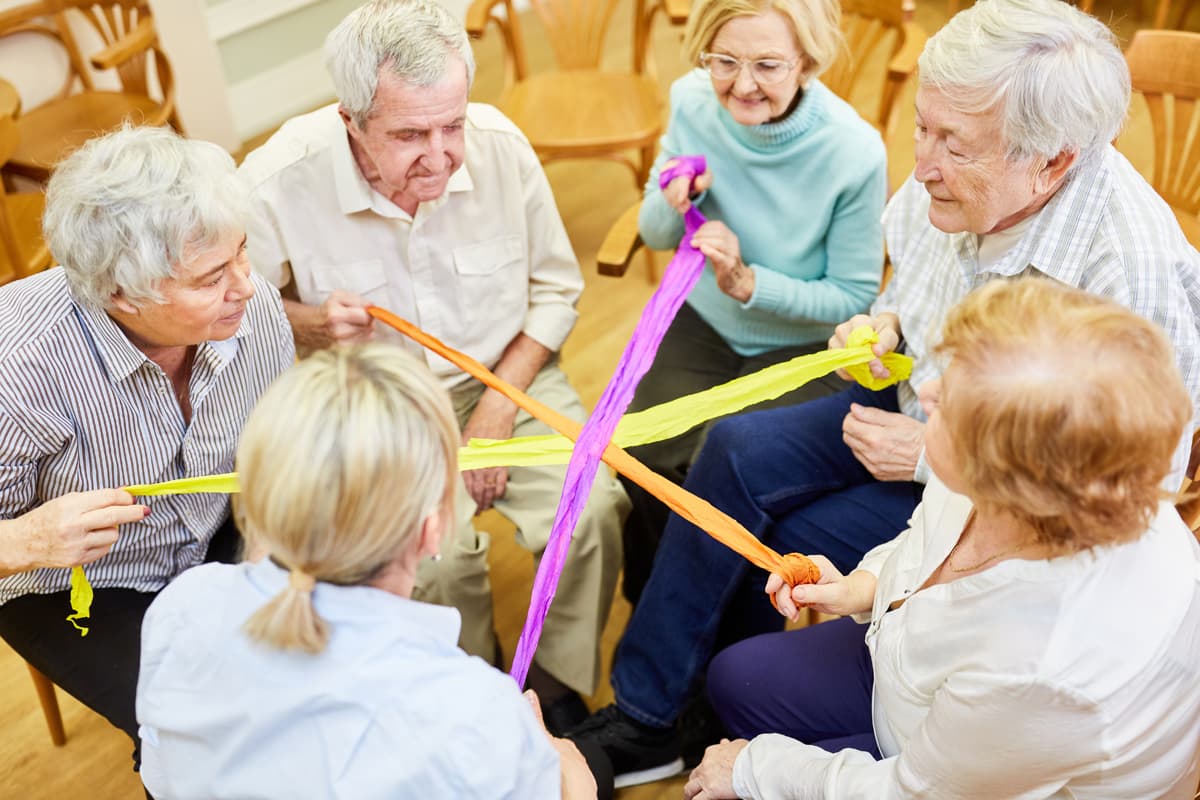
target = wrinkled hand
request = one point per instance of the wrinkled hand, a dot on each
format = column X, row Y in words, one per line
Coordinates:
column 577, row 779
column 678, row 193
column 492, row 418
column 723, row 251
column 713, row 779
column 887, row 325
column 886, row 443
column 70, row 530
column 345, row 318
column 834, row 593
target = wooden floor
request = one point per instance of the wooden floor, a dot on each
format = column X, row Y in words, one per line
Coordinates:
column 590, row 195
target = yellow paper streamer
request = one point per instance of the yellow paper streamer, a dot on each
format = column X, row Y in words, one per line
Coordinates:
column 226, row 483
column 81, row 599
column 677, row 416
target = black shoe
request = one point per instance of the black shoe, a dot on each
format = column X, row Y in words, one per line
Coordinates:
column 564, row 713
column 639, row 753
column 699, row 727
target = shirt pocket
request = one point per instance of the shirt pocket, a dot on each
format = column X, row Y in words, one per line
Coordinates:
column 366, row 279
column 492, row 278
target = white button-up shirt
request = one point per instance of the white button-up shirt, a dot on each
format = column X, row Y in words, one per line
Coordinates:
column 1071, row 677
column 487, row 260
column 390, row 709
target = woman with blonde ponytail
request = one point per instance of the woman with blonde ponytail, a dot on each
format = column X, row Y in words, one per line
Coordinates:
column 310, row 671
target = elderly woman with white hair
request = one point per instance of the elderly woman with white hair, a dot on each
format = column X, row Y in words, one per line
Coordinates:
column 331, row 680
column 136, row 360
column 1017, row 103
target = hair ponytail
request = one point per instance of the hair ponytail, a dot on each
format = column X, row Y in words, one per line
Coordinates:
column 289, row 621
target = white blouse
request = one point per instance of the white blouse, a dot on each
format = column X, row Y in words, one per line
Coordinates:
column 1072, row 677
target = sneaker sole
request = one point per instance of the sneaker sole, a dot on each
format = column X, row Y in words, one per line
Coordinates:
column 659, row 773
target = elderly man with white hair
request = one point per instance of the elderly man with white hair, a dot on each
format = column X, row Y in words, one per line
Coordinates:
column 134, row 361
column 1017, row 104
column 406, row 196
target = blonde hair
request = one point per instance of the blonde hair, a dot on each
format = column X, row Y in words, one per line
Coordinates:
column 341, row 462
column 1062, row 408
column 815, row 23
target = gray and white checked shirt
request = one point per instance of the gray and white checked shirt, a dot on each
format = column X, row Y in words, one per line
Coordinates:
column 81, row 408
column 1105, row 231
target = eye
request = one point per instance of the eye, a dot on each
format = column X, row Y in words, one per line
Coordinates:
column 455, row 128
column 219, row 276
column 770, row 67
column 920, row 131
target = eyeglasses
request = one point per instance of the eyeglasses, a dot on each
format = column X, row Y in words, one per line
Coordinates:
column 765, row 71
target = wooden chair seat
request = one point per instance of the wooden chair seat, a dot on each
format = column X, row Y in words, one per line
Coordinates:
column 551, row 108
column 51, row 132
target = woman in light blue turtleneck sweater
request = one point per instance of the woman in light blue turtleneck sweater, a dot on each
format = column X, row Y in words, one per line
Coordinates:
column 794, row 191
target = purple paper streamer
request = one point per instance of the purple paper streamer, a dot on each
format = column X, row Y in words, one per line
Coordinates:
column 678, row 279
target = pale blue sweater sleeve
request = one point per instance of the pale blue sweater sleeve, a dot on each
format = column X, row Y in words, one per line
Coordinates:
column 660, row 225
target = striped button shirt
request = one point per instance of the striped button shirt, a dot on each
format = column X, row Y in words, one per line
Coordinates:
column 1105, row 231
column 81, row 408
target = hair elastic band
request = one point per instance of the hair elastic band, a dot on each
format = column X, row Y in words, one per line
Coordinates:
column 300, row 580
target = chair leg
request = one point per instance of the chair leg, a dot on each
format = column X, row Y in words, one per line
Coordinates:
column 651, row 266
column 49, row 701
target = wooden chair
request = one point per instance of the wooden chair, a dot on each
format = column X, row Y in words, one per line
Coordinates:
column 579, row 111
column 49, row 700
column 80, row 111
column 1165, row 68
column 878, row 32
column 22, row 251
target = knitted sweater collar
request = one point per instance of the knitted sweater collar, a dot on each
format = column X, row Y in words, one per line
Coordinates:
column 771, row 135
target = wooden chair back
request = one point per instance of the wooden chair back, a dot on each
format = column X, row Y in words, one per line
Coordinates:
column 576, row 30
column 124, row 31
column 877, row 32
column 1165, row 69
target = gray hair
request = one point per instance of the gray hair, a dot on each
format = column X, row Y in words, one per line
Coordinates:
column 123, row 210
column 1056, row 73
column 416, row 40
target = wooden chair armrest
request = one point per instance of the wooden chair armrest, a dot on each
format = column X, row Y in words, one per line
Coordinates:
column 138, row 40
column 478, row 14
column 904, row 63
column 620, row 243
column 677, row 10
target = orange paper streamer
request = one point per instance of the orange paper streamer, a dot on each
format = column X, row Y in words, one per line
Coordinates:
column 794, row 568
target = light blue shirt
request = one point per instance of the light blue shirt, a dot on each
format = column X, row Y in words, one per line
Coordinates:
column 391, row 708
column 803, row 195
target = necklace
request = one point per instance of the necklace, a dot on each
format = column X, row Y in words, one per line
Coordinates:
column 986, row 561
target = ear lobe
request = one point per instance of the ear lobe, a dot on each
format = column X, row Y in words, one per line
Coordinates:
column 348, row 121
column 432, row 531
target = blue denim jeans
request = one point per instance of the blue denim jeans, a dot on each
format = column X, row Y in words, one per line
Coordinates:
column 786, row 475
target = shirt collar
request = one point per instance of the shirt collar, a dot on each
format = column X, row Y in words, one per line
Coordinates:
column 1058, row 241
column 355, row 194
column 361, row 604
column 119, row 355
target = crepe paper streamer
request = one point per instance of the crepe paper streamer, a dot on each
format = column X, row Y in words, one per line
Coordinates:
column 679, row 278
column 696, row 510
column 677, row 416
column 226, row 483
column 795, row 569
column 81, row 599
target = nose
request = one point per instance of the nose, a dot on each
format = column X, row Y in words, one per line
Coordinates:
column 435, row 158
column 240, row 287
column 744, row 83
column 927, row 167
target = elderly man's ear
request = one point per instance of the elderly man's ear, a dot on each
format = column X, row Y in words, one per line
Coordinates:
column 119, row 302
column 1054, row 171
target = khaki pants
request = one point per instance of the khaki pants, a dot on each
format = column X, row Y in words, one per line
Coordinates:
column 570, row 645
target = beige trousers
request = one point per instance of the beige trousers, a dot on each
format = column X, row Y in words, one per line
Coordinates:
column 570, row 645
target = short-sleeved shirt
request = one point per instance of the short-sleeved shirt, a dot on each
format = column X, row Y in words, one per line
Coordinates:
column 81, row 408
column 487, row 260
column 391, row 708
